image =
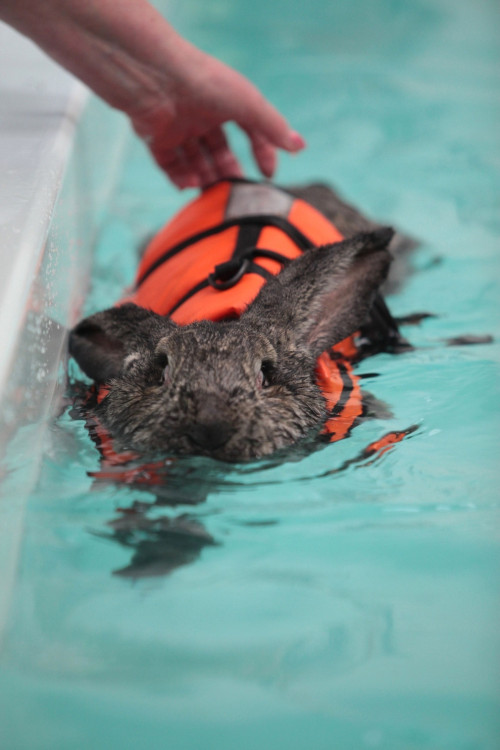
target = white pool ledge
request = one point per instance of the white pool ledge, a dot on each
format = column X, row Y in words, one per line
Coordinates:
column 56, row 176
column 40, row 107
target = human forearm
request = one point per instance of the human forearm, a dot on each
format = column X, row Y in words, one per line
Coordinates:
column 124, row 51
column 177, row 97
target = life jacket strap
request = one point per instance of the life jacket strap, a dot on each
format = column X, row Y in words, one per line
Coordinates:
column 226, row 275
column 261, row 221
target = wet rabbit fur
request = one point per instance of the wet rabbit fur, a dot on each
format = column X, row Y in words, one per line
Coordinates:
column 236, row 389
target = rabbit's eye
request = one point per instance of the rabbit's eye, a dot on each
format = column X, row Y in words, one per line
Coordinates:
column 264, row 375
column 161, row 361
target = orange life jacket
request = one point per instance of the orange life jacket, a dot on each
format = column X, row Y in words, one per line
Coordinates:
column 210, row 261
column 178, row 276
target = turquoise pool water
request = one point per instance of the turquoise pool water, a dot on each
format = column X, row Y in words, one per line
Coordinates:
column 304, row 607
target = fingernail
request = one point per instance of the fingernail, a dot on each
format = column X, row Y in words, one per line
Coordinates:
column 295, row 141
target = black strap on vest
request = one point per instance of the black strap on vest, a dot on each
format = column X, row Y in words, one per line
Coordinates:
column 256, row 223
column 226, row 275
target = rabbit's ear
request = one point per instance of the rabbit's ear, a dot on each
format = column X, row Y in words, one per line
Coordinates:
column 324, row 295
column 101, row 342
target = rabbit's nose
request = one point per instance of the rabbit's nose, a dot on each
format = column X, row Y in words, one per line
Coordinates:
column 210, row 435
column 211, row 428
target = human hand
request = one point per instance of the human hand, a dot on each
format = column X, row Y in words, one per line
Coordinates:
column 177, row 97
column 182, row 125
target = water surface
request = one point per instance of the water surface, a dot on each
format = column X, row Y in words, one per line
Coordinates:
column 300, row 606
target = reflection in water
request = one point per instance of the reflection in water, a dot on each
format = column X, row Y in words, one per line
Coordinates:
column 159, row 545
column 162, row 544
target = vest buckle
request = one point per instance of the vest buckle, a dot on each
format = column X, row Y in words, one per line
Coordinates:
column 226, row 275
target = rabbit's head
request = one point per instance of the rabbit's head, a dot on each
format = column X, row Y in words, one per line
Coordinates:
column 238, row 389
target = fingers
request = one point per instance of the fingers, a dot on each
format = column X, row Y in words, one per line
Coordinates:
column 261, row 121
column 264, row 154
column 174, row 163
column 265, row 127
column 274, row 129
column 265, row 149
column 223, row 159
column 211, row 158
column 184, row 129
column 200, row 162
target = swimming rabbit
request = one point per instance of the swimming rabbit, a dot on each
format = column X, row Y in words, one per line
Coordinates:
column 246, row 381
